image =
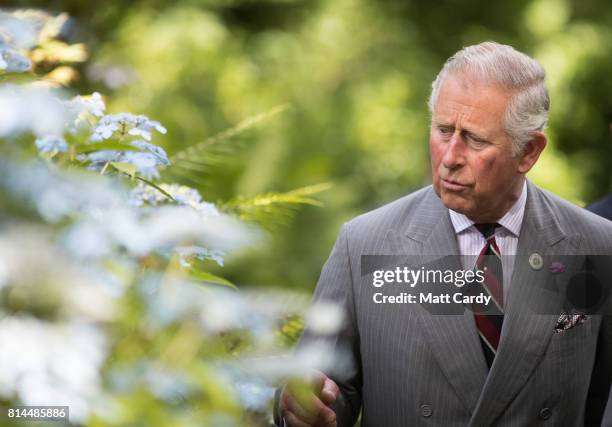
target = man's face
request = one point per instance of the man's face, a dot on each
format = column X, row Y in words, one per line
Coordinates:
column 473, row 169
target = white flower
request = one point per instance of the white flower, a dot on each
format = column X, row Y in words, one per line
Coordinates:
column 140, row 132
column 160, row 128
column 99, row 159
column 206, row 209
column 224, row 311
column 146, row 163
column 158, row 152
column 96, row 104
column 93, row 104
column 51, row 143
column 110, row 124
column 143, row 193
column 104, row 130
column 51, row 364
column 144, row 126
column 57, row 196
column 318, row 355
column 87, row 239
column 127, row 124
column 16, row 34
column 165, row 227
column 27, row 109
column 182, row 194
column 13, row 61
column 21, row 32
column 38, row 266
column 324, row 318
column 254, row 393
column 143, row 122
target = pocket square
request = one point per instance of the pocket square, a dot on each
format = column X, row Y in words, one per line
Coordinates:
column 568, row 321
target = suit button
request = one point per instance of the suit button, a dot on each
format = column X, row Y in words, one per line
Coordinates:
column 545, row 413
column 426, row 411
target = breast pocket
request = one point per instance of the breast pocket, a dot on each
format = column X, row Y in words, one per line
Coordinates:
column 573, row 340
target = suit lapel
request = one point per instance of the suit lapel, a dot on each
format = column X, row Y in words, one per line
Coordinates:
column 453, row 337
column 527, row 329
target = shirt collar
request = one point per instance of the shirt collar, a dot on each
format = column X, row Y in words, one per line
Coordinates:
column 511, row 221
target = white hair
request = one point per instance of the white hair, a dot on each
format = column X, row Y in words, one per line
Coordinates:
column 527, row 110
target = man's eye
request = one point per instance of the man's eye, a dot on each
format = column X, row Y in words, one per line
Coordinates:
column 477, row 142
column 445, row 130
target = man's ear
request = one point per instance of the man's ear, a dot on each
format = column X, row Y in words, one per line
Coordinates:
column 531, row 152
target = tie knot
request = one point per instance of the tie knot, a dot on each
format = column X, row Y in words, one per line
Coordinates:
column 487, row 229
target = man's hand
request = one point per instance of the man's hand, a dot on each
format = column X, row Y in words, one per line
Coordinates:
column 307, row 404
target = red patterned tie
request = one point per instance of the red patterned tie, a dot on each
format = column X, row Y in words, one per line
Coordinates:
column 489, row 318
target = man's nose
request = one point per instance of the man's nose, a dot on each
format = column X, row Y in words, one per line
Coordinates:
column 454, row 155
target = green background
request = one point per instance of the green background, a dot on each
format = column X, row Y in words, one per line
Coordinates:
column 356, row 75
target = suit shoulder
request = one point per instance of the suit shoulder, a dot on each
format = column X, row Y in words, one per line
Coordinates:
column 577, row 220
column 392, row 214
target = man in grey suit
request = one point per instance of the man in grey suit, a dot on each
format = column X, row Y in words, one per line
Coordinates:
column 534, row 358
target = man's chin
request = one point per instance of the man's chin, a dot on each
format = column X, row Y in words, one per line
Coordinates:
column 454, row 202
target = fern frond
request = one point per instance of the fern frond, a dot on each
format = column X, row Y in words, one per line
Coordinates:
column 200, row 162
column 247, row 123
column 188, row 177
column 271, row 209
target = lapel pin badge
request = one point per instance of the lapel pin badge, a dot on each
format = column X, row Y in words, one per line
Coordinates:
column 535, row 261
column 556, row 267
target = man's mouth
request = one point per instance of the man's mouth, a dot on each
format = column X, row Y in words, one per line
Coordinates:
column 451, row 185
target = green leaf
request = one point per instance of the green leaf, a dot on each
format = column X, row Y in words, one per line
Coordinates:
column 107, row 145
column 205, row 276
column 126, row 168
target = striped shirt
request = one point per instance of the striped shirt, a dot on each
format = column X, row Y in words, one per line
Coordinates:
column 471, row 241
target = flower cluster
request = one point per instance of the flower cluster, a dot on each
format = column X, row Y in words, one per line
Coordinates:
column 81, row 253
column 51, row 363
column 181, row 194
column 146, row 162
column 93, row 104
column 15, row 36
column 11, row 60
column 47, row 116
column 51, row 144
column 123, row 124
column 30, row 110
column 102, row 211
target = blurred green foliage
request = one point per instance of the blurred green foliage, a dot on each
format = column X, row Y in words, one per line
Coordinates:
column 356, row 75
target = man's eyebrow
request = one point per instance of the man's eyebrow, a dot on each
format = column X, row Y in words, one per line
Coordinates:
column 444, row 124
column 474, row 135
column 464, row 131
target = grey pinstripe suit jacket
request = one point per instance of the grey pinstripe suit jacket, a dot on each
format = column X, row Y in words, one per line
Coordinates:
column 411, row 367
